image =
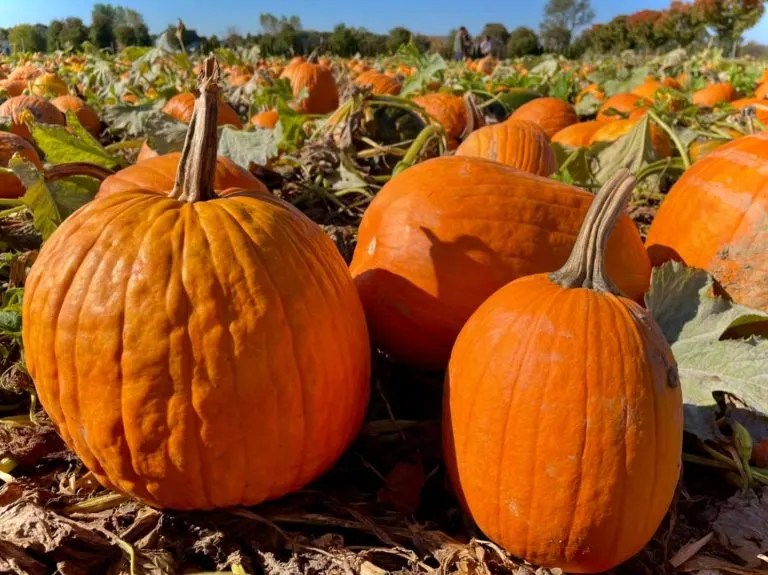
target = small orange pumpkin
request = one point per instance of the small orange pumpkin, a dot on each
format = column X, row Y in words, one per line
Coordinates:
column 448, row 110
column 87, row 115
column 182, row 106
column 517, row 143
column 714, row 94
column 624, row 104
column 10, row 144
column 47, row 85
column 19, row 108
column 545, row 416
column 551, row 114
column 577, row 135
column 318, row 81
column 379, row 83
column 267, row 119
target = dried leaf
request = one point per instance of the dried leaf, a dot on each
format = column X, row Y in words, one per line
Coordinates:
column 742, row 526
column 403, row 487
column 690, row 550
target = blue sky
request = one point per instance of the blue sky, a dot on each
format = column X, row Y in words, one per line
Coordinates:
column 431, row 17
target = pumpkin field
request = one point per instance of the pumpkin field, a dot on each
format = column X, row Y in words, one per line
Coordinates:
column 383, row 315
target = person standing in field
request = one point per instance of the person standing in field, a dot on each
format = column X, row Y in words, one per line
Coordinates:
column 462, row 44
column 486, row 46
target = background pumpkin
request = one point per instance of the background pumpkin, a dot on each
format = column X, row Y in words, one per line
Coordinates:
column 551, row 114
column 445, row 234
column 624, row 104
column 10, row 144
column 577, row 135
column 48, row 85
column 545, row 417
column 379, row 83
column 714, row 94
column 87, row 115
column 714, row 218
column 20, row 107
column 448, row 110
column 612, row 131
column 169, row 339
column 517, row 143
column 322, row 92
column 181, row 107
column 267, row 119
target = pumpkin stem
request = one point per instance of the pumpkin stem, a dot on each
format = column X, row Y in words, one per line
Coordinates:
column 585, row 267
column 197, row 166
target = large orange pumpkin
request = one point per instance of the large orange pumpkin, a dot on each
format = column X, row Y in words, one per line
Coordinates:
column 194, row 351
column 624, row 104
column 10, row 144
column 379, row 83
column 577, row 135
column 158, row 174
column 551, row 114
column 85, row 114
column 443, row 235
column 715, row 217
column 322, row 93
column 714, row 94
column 517, row 143
column 19, row 108
column 612, row 131
column 545, row 416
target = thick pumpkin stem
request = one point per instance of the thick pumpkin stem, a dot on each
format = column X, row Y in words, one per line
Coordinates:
column 197, row 166
column 585, row 267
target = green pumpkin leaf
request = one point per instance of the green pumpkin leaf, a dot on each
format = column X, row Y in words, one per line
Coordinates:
column 250, row 147
column 588, row 105
column 695, row 323
column 50, row 203
column 634, row 150
column 10, row 322
column 62, row 146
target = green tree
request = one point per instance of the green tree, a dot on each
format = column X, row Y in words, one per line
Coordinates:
column 496, row 32
column 397, row 37
column 73, row 33
column 570, row 15
column 26, row 38
column 641, row 27
column 212, row 43
column 103, row 26
column 555, row 38
column 343, row 41
column 730, row 18
column 679, row 25
column 522, row 42
column 53, row 35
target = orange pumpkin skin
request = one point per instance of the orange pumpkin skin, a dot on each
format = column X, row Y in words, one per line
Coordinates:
column 612, row 131
column 623, row 103
column 322, row 91
column 714, row 218
column 267, row 119
column 760, row 106
column 46, row 85
column 698, row 149
column 551, row 114
column 41, row 110
column 448, row 110
column 182, row 105
column 13, row 87
column 145, row 152
column 517, row 143
column 379, row 83
column 571, row 455
column 714, row 94
column 592, row 89
column 87, row 115
column 10, row 144
column 25, row 73
column 577, row 135
column 445, row 234
column 648, row 89
column 762, row 91
column 158, row 175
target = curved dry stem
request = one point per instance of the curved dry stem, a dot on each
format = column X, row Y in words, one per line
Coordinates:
column 197, row 166
column 585, row 267
column 77, row 169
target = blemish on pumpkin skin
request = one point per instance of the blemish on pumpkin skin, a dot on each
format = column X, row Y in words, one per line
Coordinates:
column 372, row 247
column 513, row 508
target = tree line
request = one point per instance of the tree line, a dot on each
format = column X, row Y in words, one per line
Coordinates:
column 567, row 28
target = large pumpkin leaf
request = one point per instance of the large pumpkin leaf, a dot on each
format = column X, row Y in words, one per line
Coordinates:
column 50, row 203
column 65, row 146
column 133, row 120
column 694, row 321
column 633, row 150
column 429, row 68
column 254, row 147
column 626, row 83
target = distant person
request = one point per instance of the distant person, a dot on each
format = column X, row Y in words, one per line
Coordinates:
column 462, row 44
column 486, row 46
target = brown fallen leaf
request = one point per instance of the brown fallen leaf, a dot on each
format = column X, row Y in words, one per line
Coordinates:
column 704, row 563
column 742, row 526
column 15, row 561
column 403, row 487
column 688, row 551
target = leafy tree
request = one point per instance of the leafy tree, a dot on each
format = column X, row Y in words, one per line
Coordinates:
column 73, row 33
column 102, row 26
column 370, row 44
column 681, row 24
column 422, row 43
column 611, row 37
column 522, row 42
column 555, row 38
column 397, row 37
column 569, row 15
column 343, row 41
column 641, row 28
column 27, row 38
column 272, row 25
column 730, row 18
column 212, row 43
column 53, row 35
column 498, row 33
